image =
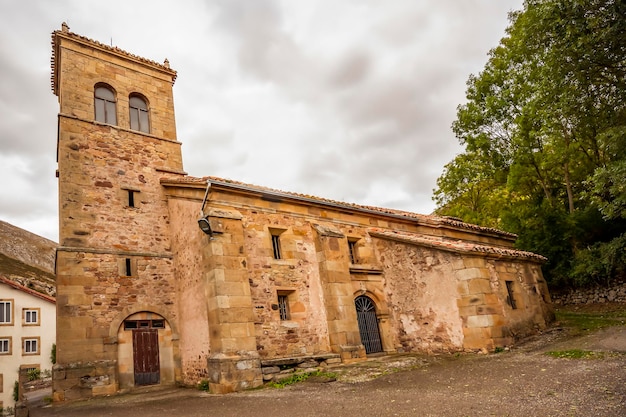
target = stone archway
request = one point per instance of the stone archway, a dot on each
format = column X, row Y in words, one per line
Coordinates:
column 145, row 354
column 368, row 324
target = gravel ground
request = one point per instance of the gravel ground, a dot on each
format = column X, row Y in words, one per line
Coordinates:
column 521, row 382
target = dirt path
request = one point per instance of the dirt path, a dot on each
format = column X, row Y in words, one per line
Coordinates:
column 521, row 382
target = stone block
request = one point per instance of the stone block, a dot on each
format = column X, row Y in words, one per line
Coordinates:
column 469, row 273
column 467, row 311
column 480, row 321
column 463, row 288
column 270, row 370
column 109, row 389
column 476, row 338
column 474, row 262
column 479, row 286
column 472, row 300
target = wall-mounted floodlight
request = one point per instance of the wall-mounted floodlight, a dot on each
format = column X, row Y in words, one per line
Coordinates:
column 205, row 226
column 203, row 221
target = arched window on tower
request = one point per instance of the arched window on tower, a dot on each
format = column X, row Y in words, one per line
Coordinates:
column 104, row 104
column 139, row 119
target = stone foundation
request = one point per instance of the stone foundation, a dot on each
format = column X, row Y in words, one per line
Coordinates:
column 83, row 380
column 234, row 373
column 275, row 370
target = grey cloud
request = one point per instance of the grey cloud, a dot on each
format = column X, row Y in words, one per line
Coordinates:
column 350, row 71
column 348, row 100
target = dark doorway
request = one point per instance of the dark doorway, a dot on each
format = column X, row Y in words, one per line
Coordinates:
column 146, row 356
column 368, row 324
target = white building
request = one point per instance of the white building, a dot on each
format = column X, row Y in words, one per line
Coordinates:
column 27, row 334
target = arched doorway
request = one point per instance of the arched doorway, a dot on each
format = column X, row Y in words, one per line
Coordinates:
column 145, row 352
column 368, row 324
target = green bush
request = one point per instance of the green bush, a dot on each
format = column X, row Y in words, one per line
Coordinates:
column 600, row 263
column 16, row 391
column 34, row 374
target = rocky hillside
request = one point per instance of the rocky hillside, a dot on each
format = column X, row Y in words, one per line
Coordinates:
column 27, row 258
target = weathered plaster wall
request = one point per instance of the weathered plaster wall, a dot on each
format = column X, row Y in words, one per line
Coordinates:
column 187, row 242
column 421, row 291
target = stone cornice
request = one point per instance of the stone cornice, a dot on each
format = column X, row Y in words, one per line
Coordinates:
column 65, row 33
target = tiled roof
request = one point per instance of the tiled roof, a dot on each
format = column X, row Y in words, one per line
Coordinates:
column 456, row 245
column 432, row 220
column 65, row 31
column 27, row 290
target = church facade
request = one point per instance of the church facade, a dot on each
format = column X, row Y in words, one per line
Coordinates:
column 163, row 278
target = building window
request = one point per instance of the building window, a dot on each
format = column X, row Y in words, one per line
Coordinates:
column 144, row 324
column 283, row 307
column 6, row 312
column 352, row 251
column 104, row 104
column 277, row 252
column 510, row 298
column 139, row 114
column 127, row 267
column 5, row 345
column 30, row 316
column 131, row 198
column 276, row 246
column 30, row 346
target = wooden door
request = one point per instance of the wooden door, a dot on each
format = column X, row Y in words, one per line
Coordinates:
column 146, row 356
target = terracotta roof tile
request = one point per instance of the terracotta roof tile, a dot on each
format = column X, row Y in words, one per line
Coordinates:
column 19, row 287
column 456, row 245
column 426, row 219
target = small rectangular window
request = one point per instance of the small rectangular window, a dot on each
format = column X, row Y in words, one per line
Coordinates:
column 5, row 346
column 283, row 307
column 510, row 297
column 131, row 198
column 31, row 346
column 31, row 316
column 129, row 267
column 352, row 250
column 276, row 246
column 130, row 325
column 6, row 312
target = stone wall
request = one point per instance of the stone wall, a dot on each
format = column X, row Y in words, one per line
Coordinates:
column 614, row 294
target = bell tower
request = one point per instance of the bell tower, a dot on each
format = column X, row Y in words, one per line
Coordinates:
column 115, row 274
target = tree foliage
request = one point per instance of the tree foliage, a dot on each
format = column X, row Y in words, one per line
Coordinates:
column 544, row 130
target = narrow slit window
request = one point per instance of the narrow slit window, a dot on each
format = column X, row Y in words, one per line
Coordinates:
column 129, row 267
column 276, row 251
column 283, row 307
column 131, row 198
column 352, row 250
column 510, row 297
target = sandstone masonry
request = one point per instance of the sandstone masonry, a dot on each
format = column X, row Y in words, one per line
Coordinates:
column 278, row 282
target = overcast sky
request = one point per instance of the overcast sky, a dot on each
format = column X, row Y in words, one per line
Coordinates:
column 345, row 99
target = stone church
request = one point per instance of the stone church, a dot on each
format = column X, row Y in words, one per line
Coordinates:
column 163, row 278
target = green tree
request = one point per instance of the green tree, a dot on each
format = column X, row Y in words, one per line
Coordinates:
column 544, row 130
